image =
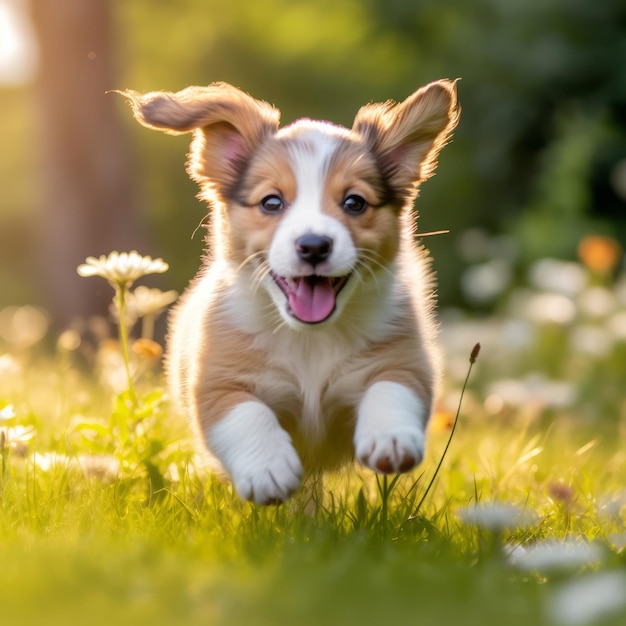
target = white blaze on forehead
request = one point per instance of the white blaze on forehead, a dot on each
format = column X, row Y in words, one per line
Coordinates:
column 311, row 150
column 311, row 146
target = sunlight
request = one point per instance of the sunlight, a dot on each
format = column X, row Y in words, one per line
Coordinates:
column 18, row 55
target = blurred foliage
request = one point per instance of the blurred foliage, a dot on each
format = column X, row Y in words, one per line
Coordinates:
column 537, row 154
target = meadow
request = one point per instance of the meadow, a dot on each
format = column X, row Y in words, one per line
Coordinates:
column 515, row 517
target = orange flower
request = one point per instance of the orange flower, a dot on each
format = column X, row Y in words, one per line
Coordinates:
column 599, row 253
column 442, row 421
column 147, row 349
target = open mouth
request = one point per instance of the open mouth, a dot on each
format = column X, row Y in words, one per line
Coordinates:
column 312, row 299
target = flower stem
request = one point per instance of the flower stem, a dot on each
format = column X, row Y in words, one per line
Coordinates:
column 147, row 327
column 472, row 360
column 123, row 334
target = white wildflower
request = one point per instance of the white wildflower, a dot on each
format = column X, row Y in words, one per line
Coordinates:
column 144, row 301
column 7, row 413
column 551, row 393
column 542, row 308
column 49, row 460
column 17, row 438
column 493, row 404
column 518, row 333
column 486, row 281
column 553, row 555
column 597, row 302
column 617, row 325
column 588, row 599
column 19, row 435
column 510, row 390
column 562, row 277
column 496, row 516
column 122, row 269
column 594, row 341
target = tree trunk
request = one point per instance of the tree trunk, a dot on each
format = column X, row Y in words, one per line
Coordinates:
column 89, row 198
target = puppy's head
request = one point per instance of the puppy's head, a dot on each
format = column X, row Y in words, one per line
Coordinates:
column 313, row 208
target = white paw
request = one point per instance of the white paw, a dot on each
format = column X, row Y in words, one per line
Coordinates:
column 389, row 434
column 271, row 476
column 257, row 454
column 391, row 452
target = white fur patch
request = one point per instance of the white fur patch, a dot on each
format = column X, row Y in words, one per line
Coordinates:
column 257, row 453
column 310, row 155
column 389, row 434
column 311, row 149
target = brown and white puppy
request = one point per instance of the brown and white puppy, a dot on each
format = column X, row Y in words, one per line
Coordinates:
column 307, row 336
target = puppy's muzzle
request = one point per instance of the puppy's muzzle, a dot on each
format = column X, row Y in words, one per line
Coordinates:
column 312, row 296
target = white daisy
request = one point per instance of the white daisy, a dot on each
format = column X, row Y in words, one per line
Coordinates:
column 586, row 600
column 144, row 301
column 553, row 555
column 122, row 269
column 17, row 438
column 496, row 516
column 7, row 413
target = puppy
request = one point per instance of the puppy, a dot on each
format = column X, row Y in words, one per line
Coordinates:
column 307, row 336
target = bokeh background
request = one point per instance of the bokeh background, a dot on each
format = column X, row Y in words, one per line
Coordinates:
column 537, row 165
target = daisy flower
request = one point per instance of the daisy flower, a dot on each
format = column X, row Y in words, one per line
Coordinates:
column 122, row 269
column 554, row 555
column 589, row 599
column 148, row 304
column 7, row 413
column 146, row 301
column 16, row 438
column 496, row 516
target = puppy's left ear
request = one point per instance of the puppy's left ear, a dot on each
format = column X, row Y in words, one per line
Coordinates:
column 408, row 136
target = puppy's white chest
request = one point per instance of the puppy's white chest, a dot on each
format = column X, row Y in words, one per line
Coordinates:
column 309, row 377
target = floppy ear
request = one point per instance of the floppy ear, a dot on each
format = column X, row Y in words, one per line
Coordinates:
column 228, row 124
column 408, row 136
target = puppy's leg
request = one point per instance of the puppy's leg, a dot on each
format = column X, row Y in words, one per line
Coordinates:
column 389, row 434
column 257, row 453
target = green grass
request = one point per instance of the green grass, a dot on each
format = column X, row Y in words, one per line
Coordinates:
column 154, row 544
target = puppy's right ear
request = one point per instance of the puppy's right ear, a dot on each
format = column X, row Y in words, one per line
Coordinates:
column 227, row 123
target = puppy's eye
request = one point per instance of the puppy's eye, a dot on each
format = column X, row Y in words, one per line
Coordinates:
column 271, row 205
column 354, row 205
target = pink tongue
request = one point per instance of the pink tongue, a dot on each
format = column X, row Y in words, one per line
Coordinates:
column 313, row 300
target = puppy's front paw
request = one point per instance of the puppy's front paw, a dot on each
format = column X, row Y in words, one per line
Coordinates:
column 389, row 434
column 257, row 453
column 270, row 476
column 391, row 452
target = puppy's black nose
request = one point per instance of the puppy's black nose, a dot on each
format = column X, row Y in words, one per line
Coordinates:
column 314, row 248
